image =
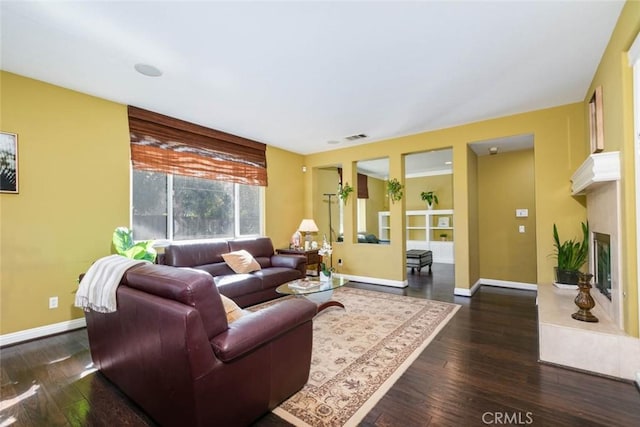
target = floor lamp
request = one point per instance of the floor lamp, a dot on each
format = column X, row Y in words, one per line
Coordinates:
column 330, row 195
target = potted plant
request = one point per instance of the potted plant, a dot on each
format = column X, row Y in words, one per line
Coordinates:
column 430, row 197
column 571, row 256
column 124, row 245
column 443, row 237
column 394, row 188
column 344, row 191
column 325, row 251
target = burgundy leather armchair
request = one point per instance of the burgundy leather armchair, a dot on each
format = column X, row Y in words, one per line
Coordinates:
column 170, row 349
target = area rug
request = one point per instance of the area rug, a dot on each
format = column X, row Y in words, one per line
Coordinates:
column 359, row 352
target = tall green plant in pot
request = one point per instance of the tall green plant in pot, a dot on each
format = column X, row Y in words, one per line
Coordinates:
column 571, row 256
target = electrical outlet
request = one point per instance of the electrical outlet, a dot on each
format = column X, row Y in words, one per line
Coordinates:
column 521, row 228
column 339, row 261
column 53, row 302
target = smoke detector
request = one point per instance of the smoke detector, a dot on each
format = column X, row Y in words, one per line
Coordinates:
column 493, row 150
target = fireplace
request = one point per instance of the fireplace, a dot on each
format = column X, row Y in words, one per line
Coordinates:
column 602, row 263
column 599, row 179
column 610, row 350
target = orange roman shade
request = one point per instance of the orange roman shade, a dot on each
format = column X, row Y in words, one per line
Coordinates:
column 164, row 144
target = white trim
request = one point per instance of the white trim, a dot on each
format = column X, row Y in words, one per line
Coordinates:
column 376, row 281
column 596, row 169
column 42, row 331
column 463, row 292
column 634, row 52
column 447, row 171
column 634, row 61
column 509, row 284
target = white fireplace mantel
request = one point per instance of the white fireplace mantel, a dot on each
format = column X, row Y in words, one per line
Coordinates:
column 598, row 168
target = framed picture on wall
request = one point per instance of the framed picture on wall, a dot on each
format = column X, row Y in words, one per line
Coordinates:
column 443, row 221
column 8, row 162
column 596, row 126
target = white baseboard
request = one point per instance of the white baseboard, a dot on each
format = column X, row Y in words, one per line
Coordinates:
column 509, row 284
column 376, row 281
column 463, row 292
column 42, row 331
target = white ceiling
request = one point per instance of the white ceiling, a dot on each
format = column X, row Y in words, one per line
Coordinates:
column 296, row 75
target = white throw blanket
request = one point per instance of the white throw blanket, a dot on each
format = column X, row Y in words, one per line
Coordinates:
column 97, row 290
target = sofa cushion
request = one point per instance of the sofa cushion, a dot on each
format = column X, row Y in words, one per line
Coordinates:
column 261, row 248
column 231, row 309
column 241, row 261
column 275, row 276
column 234, row 285
column 216, row 269
column 192, row 254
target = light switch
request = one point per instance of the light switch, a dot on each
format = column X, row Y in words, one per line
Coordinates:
column 522, row 213
column 521, row 228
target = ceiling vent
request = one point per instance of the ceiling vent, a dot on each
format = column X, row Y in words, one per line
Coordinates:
column 356, row 137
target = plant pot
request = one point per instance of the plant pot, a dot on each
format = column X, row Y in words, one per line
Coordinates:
column 325, row 277
column 567, row 277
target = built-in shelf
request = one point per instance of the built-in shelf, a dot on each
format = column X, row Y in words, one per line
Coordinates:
column 423, row 229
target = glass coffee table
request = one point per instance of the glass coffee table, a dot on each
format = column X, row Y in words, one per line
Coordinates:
column 314, row 289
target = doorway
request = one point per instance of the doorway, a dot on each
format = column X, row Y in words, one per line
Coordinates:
column 506, row 214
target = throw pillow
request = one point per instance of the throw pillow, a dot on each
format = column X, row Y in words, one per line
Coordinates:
column 241, row 261
column 231, row 309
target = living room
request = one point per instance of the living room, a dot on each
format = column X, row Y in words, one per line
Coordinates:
column 75, row 188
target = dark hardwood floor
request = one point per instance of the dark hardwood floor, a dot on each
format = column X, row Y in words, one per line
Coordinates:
column 481, row 370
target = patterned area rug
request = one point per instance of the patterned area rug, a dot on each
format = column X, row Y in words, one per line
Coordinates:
column 359, row 352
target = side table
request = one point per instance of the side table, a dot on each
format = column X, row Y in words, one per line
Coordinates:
column 313, row 258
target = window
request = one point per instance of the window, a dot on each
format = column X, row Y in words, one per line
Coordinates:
column 362, row 216
column 176, row 207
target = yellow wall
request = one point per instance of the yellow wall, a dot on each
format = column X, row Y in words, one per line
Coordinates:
column 378, row 201
column 442, row 185
column 74, row 191
column 559, row 134
column 283, row 195
column 367, row 257
column 615, row 77
column 473, row 232
column 74, row 187
column 505, row 183
column 74, row 177
column 326, row 182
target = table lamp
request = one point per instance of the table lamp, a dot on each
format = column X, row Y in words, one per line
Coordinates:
column 307, row 226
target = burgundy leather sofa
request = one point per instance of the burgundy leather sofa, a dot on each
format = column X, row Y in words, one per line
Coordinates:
column 244, row 289
column 170, row 349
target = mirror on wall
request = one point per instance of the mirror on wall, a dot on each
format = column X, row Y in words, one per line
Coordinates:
column 372, row 222
column 429, row 171
column 326, row 204
column 429, row 203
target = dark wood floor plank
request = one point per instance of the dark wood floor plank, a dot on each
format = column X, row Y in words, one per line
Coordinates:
column 482, row 363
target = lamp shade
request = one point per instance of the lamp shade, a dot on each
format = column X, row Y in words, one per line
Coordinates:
column 308, row 226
